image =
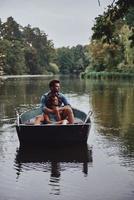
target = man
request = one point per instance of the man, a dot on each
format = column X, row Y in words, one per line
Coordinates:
column 64, row 109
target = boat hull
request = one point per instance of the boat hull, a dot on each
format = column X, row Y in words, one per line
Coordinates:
column 52, row 134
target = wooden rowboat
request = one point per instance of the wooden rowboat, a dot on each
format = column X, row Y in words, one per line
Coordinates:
column 47, row 134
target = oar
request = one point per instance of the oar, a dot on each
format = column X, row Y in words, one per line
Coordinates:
column 18, row 118
column 87, row 117
column 85, row 121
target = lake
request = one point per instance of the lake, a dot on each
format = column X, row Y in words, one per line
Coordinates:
column 101, row 170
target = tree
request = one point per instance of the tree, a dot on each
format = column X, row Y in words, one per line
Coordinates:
column 130, row 17
column 64, row 60
column 31, row 61
column 80, row 59
column 105, row 24
column 10, row 30
column 14, row 62
column 53, row 68
column 37, row 39
column 72, row 60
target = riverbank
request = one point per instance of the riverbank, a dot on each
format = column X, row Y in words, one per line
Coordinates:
column 107, row 75
column 23, row 76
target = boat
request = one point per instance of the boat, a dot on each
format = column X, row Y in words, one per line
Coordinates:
column 52, row 134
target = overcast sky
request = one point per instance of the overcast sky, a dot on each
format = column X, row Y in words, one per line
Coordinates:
column 66, row 22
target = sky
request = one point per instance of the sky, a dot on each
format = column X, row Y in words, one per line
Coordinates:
column 66, row 22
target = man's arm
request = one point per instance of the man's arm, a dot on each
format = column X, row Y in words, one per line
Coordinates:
column 64, row 99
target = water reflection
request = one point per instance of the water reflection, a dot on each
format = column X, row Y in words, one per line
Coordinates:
column 114, row 117
column 112, row 136
column 54, row 160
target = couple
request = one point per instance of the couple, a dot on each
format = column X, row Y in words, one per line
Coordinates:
column 55, row 107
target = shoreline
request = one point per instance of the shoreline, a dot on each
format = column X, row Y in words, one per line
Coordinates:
column 23, row 76
column 107, row 75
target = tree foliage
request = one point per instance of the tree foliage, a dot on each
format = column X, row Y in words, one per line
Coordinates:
column 26, row 50
column 105, row 24
column 72, row 60
column 112, row 44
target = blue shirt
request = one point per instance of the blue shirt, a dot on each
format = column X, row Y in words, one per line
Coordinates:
column 45, row 96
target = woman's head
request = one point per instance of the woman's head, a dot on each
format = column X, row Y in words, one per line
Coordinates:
column 53, row 100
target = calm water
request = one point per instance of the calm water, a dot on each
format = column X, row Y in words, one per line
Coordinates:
column 101, row 170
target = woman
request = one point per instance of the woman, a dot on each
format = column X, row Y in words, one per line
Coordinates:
column 58, row 116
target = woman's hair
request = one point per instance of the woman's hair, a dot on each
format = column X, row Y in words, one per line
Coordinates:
column 50, row 99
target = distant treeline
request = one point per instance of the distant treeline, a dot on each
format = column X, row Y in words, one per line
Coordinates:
column 110, row 52
column 27, row 50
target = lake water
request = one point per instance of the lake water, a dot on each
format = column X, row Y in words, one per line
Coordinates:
column 101, row 170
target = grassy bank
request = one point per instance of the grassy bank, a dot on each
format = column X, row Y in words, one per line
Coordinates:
column 108, row 75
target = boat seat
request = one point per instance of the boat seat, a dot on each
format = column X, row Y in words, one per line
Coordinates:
column 78, row 121
column 30, row 122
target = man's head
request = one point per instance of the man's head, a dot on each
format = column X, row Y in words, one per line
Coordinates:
column 54, row 86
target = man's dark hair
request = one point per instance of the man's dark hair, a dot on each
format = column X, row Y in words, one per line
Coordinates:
column 52, row 83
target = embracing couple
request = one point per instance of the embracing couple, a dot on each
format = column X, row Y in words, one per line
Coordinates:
column 55, row 107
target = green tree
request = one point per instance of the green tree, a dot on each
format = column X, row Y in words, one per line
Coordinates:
column 72, row 60
column 14, row 62
column 53, row 68
column 80, row 59
column 111, row 47
column 31, row 61
column 37, row 39
column 104, row 26
column 10, row 30
column 130, row 17
column 64, row 60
